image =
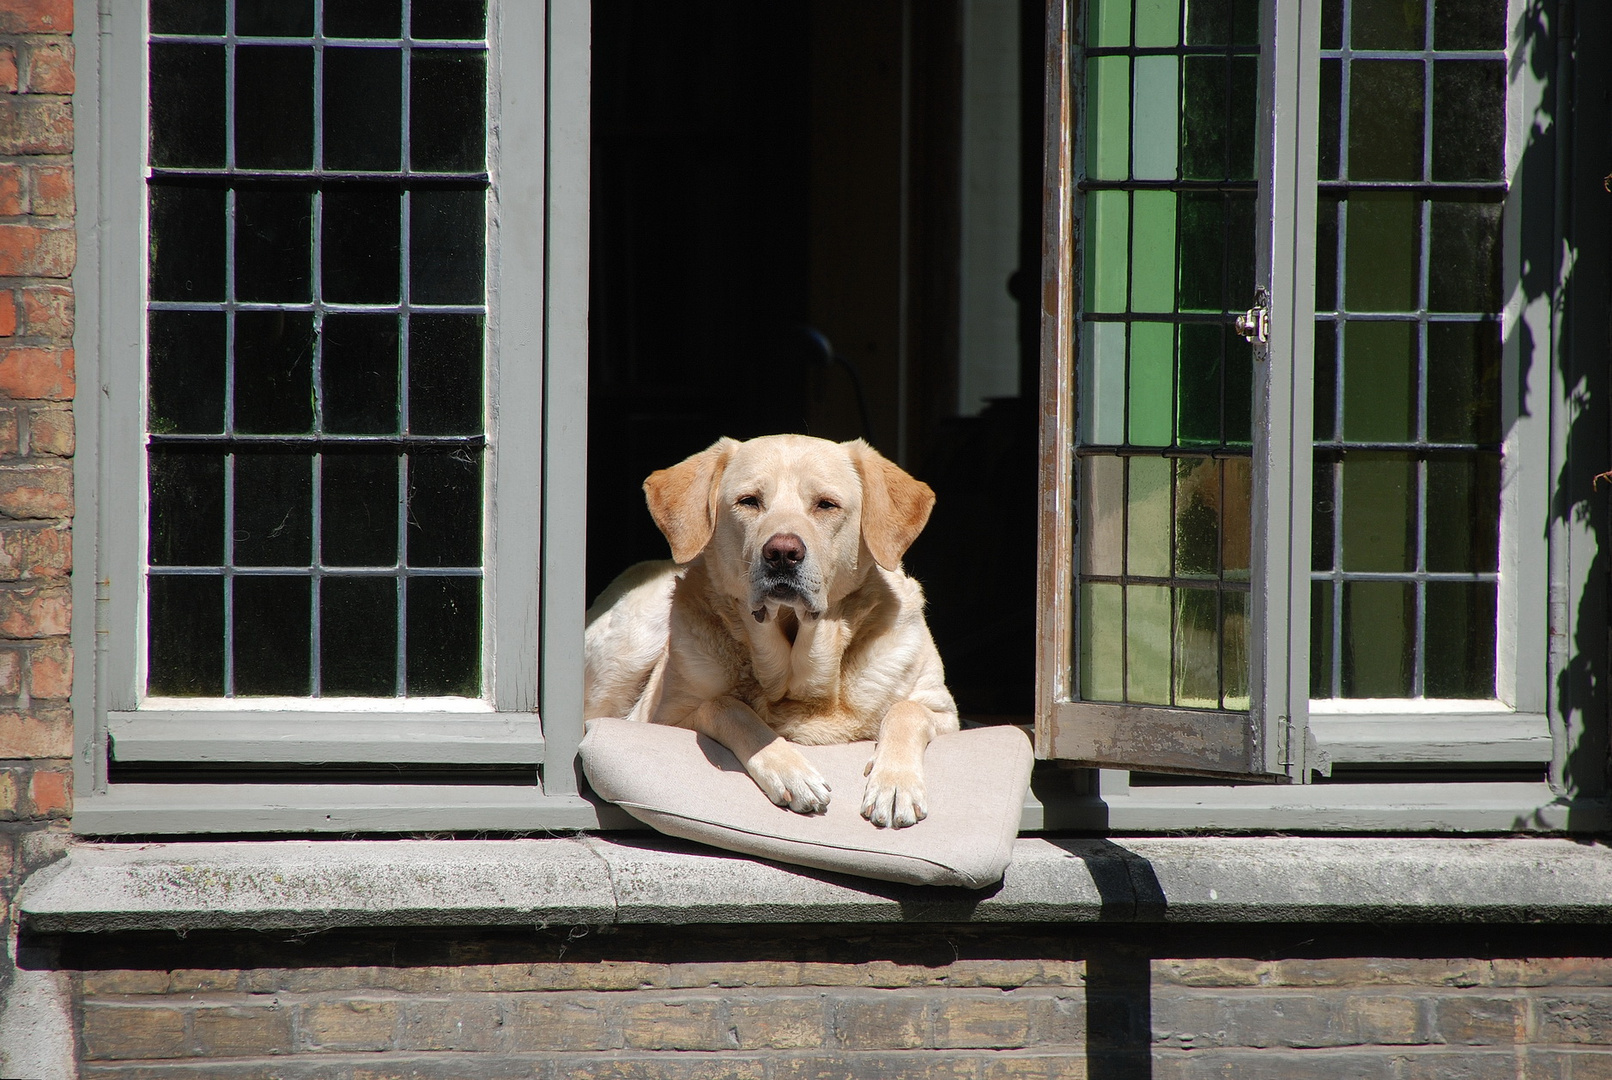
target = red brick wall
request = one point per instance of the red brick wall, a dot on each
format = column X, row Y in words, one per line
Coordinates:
column 37, row 251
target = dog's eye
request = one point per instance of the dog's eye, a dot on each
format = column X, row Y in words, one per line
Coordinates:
column 750, row 501
column 827, row 504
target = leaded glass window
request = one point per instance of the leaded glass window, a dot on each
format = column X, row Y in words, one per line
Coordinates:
column 1405, row 533
column 1163, row 432
column 316, row 315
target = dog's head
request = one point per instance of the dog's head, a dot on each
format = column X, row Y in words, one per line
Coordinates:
column 788, row 520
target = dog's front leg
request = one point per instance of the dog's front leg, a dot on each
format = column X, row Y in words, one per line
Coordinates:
column 894, row 795
column 778, row 768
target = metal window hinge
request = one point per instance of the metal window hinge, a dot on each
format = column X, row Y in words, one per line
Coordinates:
column 1255, row 323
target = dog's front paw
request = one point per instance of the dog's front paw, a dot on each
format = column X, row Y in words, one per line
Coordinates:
column 894, row 796
column 787, row 778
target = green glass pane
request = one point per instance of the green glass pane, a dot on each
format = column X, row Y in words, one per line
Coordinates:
column 1382, row 250
column 272, row 623
column 1153, row 133
column 1152, row 368
column 1245, row 22
column 1379, row 511
column 1459, row 640
column 1463, row 271
column 1219, row 22
column 1208, row 22
column 1242, row 118
column 1102, row 643
column 1239, row 389
column 1203, row 118
column 1469, row 24
column 185, row 511
column 1324, row 515
column 1101, row 408
column 1147, row 644
column 1469, row 119
column 1331, row 24
column 1385, row 119
column 185, row 635
column 1197, row 517
column 1234, row 664
column 1158, row 24
column 1379, row 639
column 1387, row 24
column 1202, row 223
column 1379, row 381
column 1463, row 382
column 1147, row 539
column 1325, row 411
column 1463, row 513
column 1108, row 229
column 273, row 523
column 185, row 369
column 1198, row 387
column 1321, row 639
column 1326, row 253
column 1153, row 233
column 1101, row 530
column 1108, row 23
column 1240, row 233
column 1236, row 517
column 1197, row 648
column 1108, row 117
column 1330, row 140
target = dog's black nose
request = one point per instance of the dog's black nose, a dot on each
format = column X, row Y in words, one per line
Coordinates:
column 783, row 551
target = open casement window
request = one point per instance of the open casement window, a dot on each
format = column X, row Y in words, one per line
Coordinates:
column 326, row 448
column 1281, row 406
column 1168, row 569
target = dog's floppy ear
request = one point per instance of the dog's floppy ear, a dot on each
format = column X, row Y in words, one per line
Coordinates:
column 682, row 499
column 895, row 506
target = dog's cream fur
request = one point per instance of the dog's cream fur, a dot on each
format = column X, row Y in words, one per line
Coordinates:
column 831, row 649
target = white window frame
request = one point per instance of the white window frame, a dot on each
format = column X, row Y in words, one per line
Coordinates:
column 537, row 251
column 1529, row 722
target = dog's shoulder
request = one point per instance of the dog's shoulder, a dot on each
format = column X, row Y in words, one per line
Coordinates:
column 626, row 635
column 892, row 654
column 888, row 602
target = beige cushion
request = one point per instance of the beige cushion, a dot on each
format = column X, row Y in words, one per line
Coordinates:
column 687, row 785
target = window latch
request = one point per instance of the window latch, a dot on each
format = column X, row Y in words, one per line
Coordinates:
column 1255, row 323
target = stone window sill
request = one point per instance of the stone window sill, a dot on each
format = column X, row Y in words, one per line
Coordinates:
column 319, row 884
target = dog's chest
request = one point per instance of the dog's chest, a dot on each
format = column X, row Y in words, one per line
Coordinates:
column 798, row 660
column 804, row 690
column 807, row 679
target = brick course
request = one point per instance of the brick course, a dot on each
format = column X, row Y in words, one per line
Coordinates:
column 783, row 1017
column 36, row 17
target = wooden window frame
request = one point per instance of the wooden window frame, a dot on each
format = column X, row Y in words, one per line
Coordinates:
column 1269, row 740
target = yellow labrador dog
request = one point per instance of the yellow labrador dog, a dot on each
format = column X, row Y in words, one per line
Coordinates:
column 784, row 618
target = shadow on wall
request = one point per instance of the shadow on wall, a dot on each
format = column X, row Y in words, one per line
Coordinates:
column 1119, row 975
column 1573, row 289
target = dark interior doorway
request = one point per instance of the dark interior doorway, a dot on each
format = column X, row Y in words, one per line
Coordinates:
column 867, row 169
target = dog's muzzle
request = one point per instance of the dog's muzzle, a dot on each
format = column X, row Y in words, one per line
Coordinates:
column 769, row 592
column 784, row 576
